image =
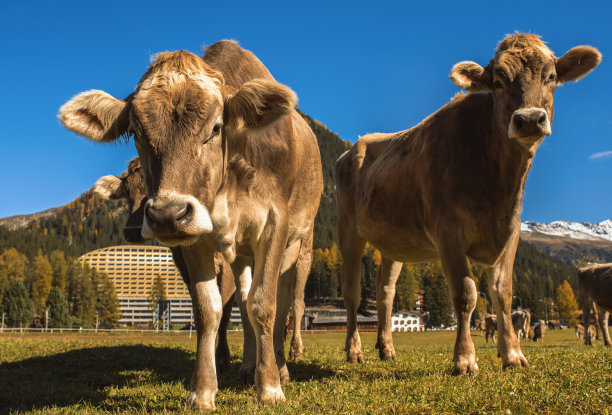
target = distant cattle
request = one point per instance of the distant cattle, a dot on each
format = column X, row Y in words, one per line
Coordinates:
column 595, row 287
column 229, row 166
column 490, row 322
column 452, row 188
column 580, row 331
column 554, row 324
column 521, row 320
column 539, row 330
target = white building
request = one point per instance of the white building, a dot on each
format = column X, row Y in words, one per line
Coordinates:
column 406, row 322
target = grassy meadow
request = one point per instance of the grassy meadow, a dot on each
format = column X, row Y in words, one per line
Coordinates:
column 149, row 373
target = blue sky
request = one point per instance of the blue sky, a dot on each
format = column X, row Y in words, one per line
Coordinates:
column 358, row 67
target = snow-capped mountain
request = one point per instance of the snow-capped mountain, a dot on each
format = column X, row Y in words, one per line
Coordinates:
column 574, row 230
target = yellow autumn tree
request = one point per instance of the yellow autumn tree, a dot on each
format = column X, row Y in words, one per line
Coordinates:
column 41, row 279
column 566, row 303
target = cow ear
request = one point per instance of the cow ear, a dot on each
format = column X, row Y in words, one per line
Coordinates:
column 109, row 187
column 471, row 76
column 577, row 63
column 96, row 115
column 258, row 104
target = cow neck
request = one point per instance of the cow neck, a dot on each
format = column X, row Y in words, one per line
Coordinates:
column 514, row 163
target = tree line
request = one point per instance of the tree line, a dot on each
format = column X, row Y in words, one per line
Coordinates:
column 71, row 294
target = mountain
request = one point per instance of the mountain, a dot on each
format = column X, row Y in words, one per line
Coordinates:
column 89, row 222
column 572, row 230
column 21, row 221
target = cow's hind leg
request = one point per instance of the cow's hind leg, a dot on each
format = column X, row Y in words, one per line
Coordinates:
column 242, row 268
column 586, row 320
column 604, row 316
column 351, row 246
column 500, row 290
column 286, row 286
column 385, row 292
column 464, row 295
column 222, row 353
column 303, row 264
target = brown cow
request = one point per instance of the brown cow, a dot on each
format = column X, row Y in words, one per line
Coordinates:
column 521, row 321
column 490, row 327
column 554, row 324
column 228, row 169
column 130, row 186
column 452, row 187
column 539, row 330
column 595, row 287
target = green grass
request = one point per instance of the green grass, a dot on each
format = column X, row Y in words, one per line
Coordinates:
column 109, row 373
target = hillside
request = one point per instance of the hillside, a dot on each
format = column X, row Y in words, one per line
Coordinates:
column 571, row 251
column 89, row 222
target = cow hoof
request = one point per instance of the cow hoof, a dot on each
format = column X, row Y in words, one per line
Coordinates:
column 387, row 353
column 465, row 369
column 284, row 375
column 517, row 361
column 247, row 374
column 202, row 401
column 271, row 395
column 296, row 352
column 355, row 357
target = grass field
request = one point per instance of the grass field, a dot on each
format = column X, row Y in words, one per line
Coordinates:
column 149, row 373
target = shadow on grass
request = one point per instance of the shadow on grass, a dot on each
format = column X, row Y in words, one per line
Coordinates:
column 81, row 375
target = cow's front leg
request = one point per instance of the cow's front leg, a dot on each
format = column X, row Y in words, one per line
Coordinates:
column 464, row 296
column 500, row 290
column 261, row 305
column 385, row 292
column 604, row 316
column 207, row 309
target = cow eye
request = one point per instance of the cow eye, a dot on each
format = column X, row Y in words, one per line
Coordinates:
column 551, row 78
column 216, row 129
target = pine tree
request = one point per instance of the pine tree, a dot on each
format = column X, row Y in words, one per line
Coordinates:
column 406, row 289
column 13, row 265
column 17, row 305
column 58, row 309
column 436, row 297
column 57, row 259
column 41, row 279
column 107, row 302
column 567, row 304
column 158, row 292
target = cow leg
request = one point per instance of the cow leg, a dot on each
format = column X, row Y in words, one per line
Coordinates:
column 286, row 287
column 241, row 268
column 603, row 321
column 500, row 291
column 385, row 292
column 351, row 247
column 261, row 305
column 207, row 309
column 464, row 295
column 303, row 264
column 586, row 320
column 222, row 353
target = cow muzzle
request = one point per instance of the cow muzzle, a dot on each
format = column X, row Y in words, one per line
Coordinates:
column 529, row 124
column 175, row 219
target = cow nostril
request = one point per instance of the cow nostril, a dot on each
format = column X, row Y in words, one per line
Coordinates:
column 518, row 122
column 184, row 212
column 542, row 120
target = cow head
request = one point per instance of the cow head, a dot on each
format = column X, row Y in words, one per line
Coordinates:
column 522, row 78
column 181, row 116
column 129, row 186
